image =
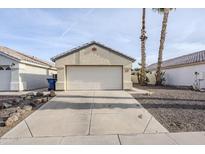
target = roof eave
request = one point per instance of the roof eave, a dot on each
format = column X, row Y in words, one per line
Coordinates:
column 11, row 57
column 88, row 44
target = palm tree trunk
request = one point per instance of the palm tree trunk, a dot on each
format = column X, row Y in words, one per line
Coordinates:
column 143, row 38
column 161, row 47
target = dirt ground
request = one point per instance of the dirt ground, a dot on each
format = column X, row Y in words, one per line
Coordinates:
column 179, row 110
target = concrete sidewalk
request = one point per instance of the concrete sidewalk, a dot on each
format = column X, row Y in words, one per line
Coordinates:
column 186, row 138
column 82, row 113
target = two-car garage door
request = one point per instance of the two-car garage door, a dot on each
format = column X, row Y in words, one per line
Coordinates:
column 94, row 77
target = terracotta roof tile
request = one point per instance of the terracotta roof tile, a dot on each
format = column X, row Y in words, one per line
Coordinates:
column 21, row 56
column 182, row 60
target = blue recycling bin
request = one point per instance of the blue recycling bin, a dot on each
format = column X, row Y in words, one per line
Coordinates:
column 51, row 83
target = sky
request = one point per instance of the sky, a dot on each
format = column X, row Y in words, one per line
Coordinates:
column 44, row 33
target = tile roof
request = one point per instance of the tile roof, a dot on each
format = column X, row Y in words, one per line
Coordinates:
column 87, row 45
column 196, row 57
column 21, row 56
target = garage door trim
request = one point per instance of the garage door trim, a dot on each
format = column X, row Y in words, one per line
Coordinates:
column 66, row 73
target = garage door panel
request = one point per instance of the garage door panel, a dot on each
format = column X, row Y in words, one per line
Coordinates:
column 94, row 77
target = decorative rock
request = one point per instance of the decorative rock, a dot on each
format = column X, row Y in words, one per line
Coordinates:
column 30, row 94
column 52, row 93
column 21, row 111
column 7, row 105
column 39, row 94
column 23, row 97
column 33, row 104
column 27, row 107
column 47, row 95
column 26, row 102
column 2, row 123
column 4, row 118
column 17, row 100
column 38, row 101
column 29, row 97
column 11, row 120
column 44, row 100
column 9, row 111
column 17, row 114
column 10, row 101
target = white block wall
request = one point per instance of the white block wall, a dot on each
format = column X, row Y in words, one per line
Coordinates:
column 32, row 77
column 183, row 76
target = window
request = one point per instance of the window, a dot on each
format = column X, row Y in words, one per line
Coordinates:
column 1, row 68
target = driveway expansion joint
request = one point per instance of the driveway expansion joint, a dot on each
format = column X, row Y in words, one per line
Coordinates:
column 91, row 113
column 147, row 124
column 28, row 128
column 118, row 136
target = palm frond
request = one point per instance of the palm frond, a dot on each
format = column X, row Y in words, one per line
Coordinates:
column 161, row 10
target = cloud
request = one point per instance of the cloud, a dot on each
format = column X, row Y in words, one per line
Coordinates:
column 69, row 28
column 46, row 32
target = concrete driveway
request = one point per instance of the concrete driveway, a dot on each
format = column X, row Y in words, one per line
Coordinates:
column 88, row 113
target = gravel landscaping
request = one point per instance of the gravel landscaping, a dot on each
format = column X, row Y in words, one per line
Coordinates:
column 13, row 109
column 177, row 109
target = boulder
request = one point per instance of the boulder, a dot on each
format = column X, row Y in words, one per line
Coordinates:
column 4, row 118
column 21, row 111
column 33, row 104
column 30, row 94
column 9, row 111
column 6, row 105
column 47, row 95
column 38, row 101
column 27, row 107
column 17, row 114
column 17, row 100
column 11, row 120
column 28, row 97
column 10, row 101
column 52, row 93
column 26, row 102
column 2, row 123
column 23, row 97
column 44, row 100
column 39, row 94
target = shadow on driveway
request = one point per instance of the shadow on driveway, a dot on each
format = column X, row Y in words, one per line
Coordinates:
column 82, row 106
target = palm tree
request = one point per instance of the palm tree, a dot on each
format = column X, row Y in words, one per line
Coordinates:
column 143, row 38
column 165, row 12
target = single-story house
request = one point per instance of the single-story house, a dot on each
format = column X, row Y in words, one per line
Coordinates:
column 93, row 66
column 20, row 72
column 180, row 71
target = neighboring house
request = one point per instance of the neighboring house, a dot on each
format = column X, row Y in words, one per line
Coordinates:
column 180, row 71
column 22, row 72
column 93, row 66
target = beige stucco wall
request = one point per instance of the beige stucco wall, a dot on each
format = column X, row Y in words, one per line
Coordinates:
column 33, row 77
column 88, row 57
column 26, row 76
